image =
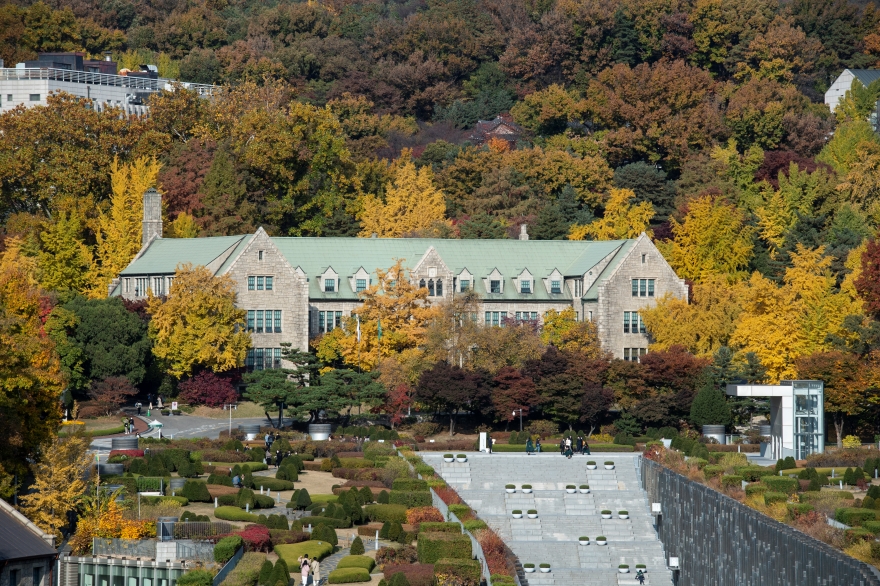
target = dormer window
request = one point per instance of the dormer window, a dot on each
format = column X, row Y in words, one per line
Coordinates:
column 494, row 286
column 555, row 287
column 525, row 287
column 465, row 285
column 329, row 285
column 361, row 285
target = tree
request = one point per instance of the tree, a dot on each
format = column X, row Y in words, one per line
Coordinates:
column 482, row 225
column 119, row 230
column 272, row 387
column 343, row 389
column 357, row 546
column 451, row 389
column 621, row 219
column 225, row 209
column 562, row 330
column 511, row 391
column 111, row 393
column 649, row 183
column 549, row 110
column 868, row 283
column 206, row 388
column 198, row 324
column 58, row 483
column 97, row 338
column 64, row 259
column 710, row 407
column 713, row 239
column 412, row 203
column 842, row 151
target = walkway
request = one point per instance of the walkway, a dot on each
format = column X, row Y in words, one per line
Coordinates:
column 562, row 517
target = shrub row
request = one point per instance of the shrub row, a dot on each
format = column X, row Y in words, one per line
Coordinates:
column 469, row 570
column 383, row 513
column 357, row 561
column 435, row 546
column 348, row 576
column 409, row 498
column 416, row 574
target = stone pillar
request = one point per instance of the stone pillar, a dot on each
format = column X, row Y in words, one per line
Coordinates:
column 152, row 224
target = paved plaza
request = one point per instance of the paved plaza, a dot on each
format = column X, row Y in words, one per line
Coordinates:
column 562, row 517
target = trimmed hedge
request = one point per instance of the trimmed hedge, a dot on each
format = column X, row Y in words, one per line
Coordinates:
column 872, row 526
column 469, row 569
column 357, row 561
column 155, row 500
column 230, row 513
column 272, row 483
column 854, row 517
column 752, row 473
column 262, row 501
column 409, row 484
column 801, row 509
column 712, row 470
column 196, row 578
column 226, row 548
column 383, row 513
column 416, row 574
column 314, row 521
column 435, row 546
column 439, row 527
column 781, row 484
column 756, row 489
column 315, row 549
column 731, row 480
column 196, row 492
column 348, row 575
column 410, row 499
column 771, row 497
column 505, row 448
column 475, row 525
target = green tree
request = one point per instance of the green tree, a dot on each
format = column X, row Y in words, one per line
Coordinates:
column 227, row 209
column 710, row 407
column 344, row 389
column 272, row 387
column 64, row 259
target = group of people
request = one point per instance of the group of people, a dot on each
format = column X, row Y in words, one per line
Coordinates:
column 568, row 448
column 278, row 458
column 310, row 569
column 129, row 426
column 530, row 447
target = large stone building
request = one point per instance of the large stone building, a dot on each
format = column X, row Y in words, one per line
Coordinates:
column 297, row 288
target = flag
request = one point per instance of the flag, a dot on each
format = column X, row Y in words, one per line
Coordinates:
column 379, row 321
column 358, row 328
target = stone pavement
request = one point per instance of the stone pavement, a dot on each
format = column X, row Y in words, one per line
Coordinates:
column 562, row 517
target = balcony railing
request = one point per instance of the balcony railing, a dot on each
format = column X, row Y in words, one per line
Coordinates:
column 101, row 79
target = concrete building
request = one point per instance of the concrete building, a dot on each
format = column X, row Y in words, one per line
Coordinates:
column 27, row 554
column 844, row 83
column 797, row 416
column 295, row 289
column 29, row 83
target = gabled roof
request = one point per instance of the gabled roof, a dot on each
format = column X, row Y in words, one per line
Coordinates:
column 19, row 538
column 592, row 294
column 866, row 76
column 164, row 254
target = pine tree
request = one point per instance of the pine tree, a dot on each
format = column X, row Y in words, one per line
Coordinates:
column 226, row 209
column 357, row 546
column 710, row 407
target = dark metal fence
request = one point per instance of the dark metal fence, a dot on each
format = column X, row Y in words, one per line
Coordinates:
column 230, row 565
column 721, row 542
column 201, row 529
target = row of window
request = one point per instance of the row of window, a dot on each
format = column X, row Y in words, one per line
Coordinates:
column 31, row 98
column 329, row 320
column 144, row 285
column 643, row 287
column 264, row 321
column 15, row 577
column 434, row 287
column 634, row 354
column 263, row 358
column 632, row 323
column 258, row 283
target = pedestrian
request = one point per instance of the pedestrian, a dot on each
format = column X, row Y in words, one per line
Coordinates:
column 150, row 408
column 125, row 427
column 266, row 439
column 568, row 448
column 586, row 447
column 138, row 405
column 562, row 447
column 529, row 447
column 640, row 577
column 304, row 569
column 131, row 424
column 316, row 571
column 277, row 458
column 538, row 445
column 268, row 458
column 580, row 444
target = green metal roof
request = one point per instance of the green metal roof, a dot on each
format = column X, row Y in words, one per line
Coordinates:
column 164, row 254
column 592, row 294
column 866, row 76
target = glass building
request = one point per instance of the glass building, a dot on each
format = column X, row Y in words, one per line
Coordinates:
column 97, row 571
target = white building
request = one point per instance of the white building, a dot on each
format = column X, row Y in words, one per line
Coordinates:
column 844, row 83
column 31, row 82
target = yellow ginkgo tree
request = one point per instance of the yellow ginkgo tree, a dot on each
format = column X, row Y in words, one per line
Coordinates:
column 622, row 219
column 412, row 203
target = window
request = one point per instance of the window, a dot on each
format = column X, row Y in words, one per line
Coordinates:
column 158, row 286
column 8, row 97
column 259, row 321
column 140, row 286
column 465, row 284
column 127, row 285
column 493, row 318
column 494, row 286
column 431, row 288
column 35, row 97
column 422, row 284
column 14, row 577
column 329, row 320
column 322, row 325
column 37, row 576
column 329, row 285
column 268, row 283
column 338, row 320
column 634, row 354
column 626, row 322
column 439, row 287
column 555, row 287
column 643, row 287
column 261, row 283
column 251, row 283
column 170, row 281
column 258, row 358
column 260, row 255
column 632, row 323
column 527, row 315
column 250, row 320
column 360, row 285
column 644, row 258
column 277, row 321
column 525, row 286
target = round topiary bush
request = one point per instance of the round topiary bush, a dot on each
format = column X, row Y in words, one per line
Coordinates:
column 357, row 546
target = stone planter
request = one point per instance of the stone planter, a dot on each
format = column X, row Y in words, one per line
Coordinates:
column 529, row 570
column 584, row 490
column 609, row 466
column 591, row 465
column 623, row 515
column 510, row 489
column 517, row 515
column 527, row 488
column 601, row 541
column 570, row 489
column 606, row 514
column 124, row 443
column 623, row 570
column 320, row 431
column 642, row 568
column 545, row 569
column 533, row 515
column 715, row 432
column 251, row 431
column 584, row 541
column 461, row 459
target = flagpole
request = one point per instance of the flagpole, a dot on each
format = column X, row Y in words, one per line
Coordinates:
column 359, row 342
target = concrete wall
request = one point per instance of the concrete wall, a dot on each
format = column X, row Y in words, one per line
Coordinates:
column 103, row 96
column 25, row 570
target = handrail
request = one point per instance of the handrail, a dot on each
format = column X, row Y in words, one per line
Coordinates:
column 105, row 79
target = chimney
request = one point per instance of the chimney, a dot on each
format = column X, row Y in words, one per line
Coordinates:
column 108, row 56
column 523, row 234
column 152, row 225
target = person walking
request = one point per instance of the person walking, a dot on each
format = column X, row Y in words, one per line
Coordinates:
column 562, row 447
column 268, row 443
column 529, row 447
column 304, row 568
column 277, row 458
column 268, row 458
column 586, row 447
column 580, row 445
column 640, row 577
column 316, row 572
column 131, row 424
column 538, row 445
column 138, row 405
column 568, row 448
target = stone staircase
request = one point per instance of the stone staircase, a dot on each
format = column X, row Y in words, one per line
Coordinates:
column 563, row 517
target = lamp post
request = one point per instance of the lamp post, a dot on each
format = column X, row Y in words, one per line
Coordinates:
column 520, row 417
column 230, row 406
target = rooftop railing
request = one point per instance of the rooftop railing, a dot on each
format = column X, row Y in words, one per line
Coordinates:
column 101, row 79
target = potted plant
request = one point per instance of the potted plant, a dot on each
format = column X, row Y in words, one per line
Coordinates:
column 623, row 569
column 544, row 568
column 606, row 514
column 584, row 488
column 591, row 465
column 532, row 513
column 529, row 568
column 527, row 488
column 510, row 488
column 642, row 567
column 517, row 514
column 448, row 458
column 601, row 540
column 570, row 488
column 461, row 457
column 609, row 465
column 623, row 514
column 584, row 540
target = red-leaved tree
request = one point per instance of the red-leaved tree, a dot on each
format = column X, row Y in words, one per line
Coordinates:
column 111, row 393
column 511, row 391
column 206, row 388
column 868, row 283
